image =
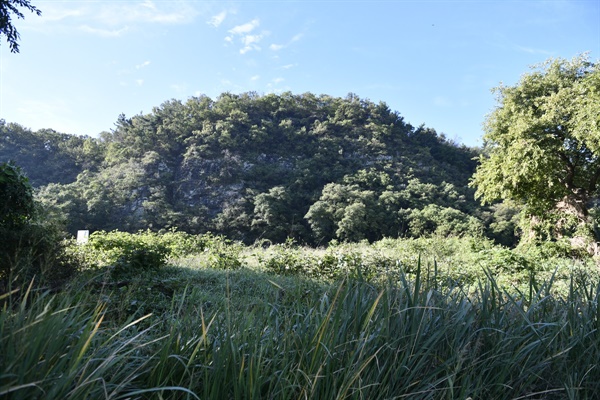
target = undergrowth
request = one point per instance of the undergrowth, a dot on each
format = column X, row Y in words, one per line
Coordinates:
column 418, row 319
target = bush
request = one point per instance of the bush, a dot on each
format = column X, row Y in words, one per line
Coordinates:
column 31, row 245
column 220, row 252
column 124, row 252
column 287, row 259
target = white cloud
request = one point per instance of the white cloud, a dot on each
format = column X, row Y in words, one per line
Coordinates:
column 245, row 28
column 246, row 49
column 142, row 65
column 532, row 50
column 277, row 47
column 139, row 82
column 288, row 66
column 255, row 78
column 108, row 33
column 57, row 14
column 249, row 41
column 278, row 80
column 218, row 19
column 149, row 4
column 111, row 19
column 147, row 12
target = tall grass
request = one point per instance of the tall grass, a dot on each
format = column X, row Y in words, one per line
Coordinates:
column 55, row 348
column 403, row 338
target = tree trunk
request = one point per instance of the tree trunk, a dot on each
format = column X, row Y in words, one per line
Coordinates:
column 577, row 206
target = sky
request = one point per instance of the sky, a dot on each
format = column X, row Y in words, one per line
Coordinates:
column 83, row 63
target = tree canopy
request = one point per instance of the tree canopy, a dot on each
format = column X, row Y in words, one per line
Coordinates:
column 542, row 146
column 8, row 8
column 314, row 168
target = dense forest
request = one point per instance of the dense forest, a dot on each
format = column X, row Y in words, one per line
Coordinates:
column 312, row 168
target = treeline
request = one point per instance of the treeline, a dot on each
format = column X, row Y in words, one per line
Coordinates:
column 313, row 168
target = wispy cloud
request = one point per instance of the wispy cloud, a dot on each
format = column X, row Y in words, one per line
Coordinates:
column 108, row 33
column 142, row 65
column 217, row 20
column 277, row 47
column 52, row 14
column 111, row 19
column 532, row 50
column 146, row 12
column 255, row 78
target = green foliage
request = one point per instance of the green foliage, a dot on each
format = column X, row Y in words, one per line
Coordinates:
column 249, row 167
column 274, row 215
column 17, row 206
column 444, row 221
column 503, row 225
column 127, row 254
column 288, row 259
column 123, row 253
column 350, row 213
column 47, row 156
column 64, row 348
column 223, row 253
column 542, row 145
column 8, row 10
column 241, row 334
column 31, row 245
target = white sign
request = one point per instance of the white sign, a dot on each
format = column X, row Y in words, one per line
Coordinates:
column 82, row 236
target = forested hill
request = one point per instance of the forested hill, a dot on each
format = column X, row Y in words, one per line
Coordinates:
column 310, row 167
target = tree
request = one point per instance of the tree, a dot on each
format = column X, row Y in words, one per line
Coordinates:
column 274, row 215
column 17, row 197
column 8, row 7
column 30, row 244
column 542, row 146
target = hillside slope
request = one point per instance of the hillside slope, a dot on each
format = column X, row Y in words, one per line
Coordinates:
column 310, row 167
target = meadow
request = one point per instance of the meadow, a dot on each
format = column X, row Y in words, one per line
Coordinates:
column 176, row 316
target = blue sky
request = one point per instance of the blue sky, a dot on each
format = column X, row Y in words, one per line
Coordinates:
column 82, row 63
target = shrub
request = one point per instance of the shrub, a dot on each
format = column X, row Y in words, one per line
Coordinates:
column 288, row 259
column 124, row 252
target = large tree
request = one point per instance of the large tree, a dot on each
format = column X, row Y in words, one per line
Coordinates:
column 8, row 8
column 542, row 145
